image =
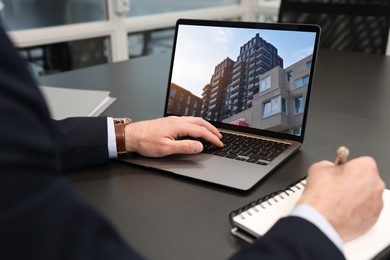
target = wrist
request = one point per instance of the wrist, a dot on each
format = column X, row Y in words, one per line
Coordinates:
column 130, row 142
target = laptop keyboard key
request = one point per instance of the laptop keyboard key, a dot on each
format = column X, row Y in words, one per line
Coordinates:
column 244, row 148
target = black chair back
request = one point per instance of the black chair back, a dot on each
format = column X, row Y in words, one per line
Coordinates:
column 347, row 25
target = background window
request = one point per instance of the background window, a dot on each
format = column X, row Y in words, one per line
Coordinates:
column 65, row 56
column 146, row 29
column 145, row 7
column 150, row 42
column 20, row 15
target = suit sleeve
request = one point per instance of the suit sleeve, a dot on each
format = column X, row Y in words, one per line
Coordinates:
column 291, row 238
column 83, row 142
column 41, row 217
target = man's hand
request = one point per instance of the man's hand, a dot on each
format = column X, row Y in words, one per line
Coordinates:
column 157, row 138
column 348, row 195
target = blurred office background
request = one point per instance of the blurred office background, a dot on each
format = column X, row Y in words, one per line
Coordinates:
column 62, row 35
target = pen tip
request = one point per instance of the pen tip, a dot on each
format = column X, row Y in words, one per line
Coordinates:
column 343, row 151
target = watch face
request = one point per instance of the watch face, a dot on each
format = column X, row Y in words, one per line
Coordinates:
column 124, row 121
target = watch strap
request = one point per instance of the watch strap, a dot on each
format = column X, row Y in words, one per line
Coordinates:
column 120, row 136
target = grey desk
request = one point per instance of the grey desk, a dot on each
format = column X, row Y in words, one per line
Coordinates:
column 168, row 217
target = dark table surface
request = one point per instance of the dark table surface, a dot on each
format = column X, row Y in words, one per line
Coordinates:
column 169, row 217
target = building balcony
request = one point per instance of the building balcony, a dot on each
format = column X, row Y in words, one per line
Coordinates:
column 215, row 82
column 234, row 89
column 236, row 75
column 236, row 81
column 237, row 69
column 277, row 122
column 234, row 95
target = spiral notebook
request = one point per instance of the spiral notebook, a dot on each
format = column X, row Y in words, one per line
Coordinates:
column 256, row 218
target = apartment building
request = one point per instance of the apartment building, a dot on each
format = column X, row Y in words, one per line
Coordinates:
column 214, row 94
column 256, row 57
column 183, row 102
column 280, row 101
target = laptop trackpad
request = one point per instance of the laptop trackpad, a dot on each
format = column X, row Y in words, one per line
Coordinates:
column 179, row 161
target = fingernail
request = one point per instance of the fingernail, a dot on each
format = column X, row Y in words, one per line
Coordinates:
column 197, row 147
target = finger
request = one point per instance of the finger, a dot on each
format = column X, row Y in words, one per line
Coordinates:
column 315, row 167
column 199, row 132
column 185, row 147
column 201, row 122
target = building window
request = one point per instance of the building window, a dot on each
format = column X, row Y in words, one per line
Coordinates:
column 265, row 83
column 297, row 131
column 170, row 105
column 301, row 82
column 173, row 92
column 298, row 105
column 308, row 65
column 274, row 106
column 289, row 74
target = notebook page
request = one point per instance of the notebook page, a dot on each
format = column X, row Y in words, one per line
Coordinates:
column 376, row 239
column 259, row 219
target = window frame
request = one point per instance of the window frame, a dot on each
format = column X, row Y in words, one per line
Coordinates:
column 118, row 26
column 273, row 112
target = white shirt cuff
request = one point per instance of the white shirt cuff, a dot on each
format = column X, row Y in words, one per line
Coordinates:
column 111, row 140
column 310, row 214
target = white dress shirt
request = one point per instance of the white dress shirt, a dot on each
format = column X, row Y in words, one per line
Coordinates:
column 111, row 140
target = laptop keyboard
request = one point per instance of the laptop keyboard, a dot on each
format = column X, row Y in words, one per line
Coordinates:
column 244, row 148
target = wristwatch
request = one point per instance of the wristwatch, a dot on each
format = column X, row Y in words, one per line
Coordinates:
column 120, row 136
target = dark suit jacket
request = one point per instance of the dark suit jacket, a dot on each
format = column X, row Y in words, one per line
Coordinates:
column 85, row 149
column 41, row 217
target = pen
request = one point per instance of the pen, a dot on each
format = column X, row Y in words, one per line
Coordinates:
column 342, row 155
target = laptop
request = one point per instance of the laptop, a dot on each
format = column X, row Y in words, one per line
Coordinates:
column 250, row 80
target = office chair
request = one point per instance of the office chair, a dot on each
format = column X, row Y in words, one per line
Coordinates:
column 347, row 25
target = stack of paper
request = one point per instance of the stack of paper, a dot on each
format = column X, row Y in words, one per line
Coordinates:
column 66, row 102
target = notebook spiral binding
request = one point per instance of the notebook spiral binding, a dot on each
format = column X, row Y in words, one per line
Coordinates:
column 272, row 195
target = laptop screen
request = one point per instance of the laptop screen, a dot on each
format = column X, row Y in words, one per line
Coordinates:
column 249, row 75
